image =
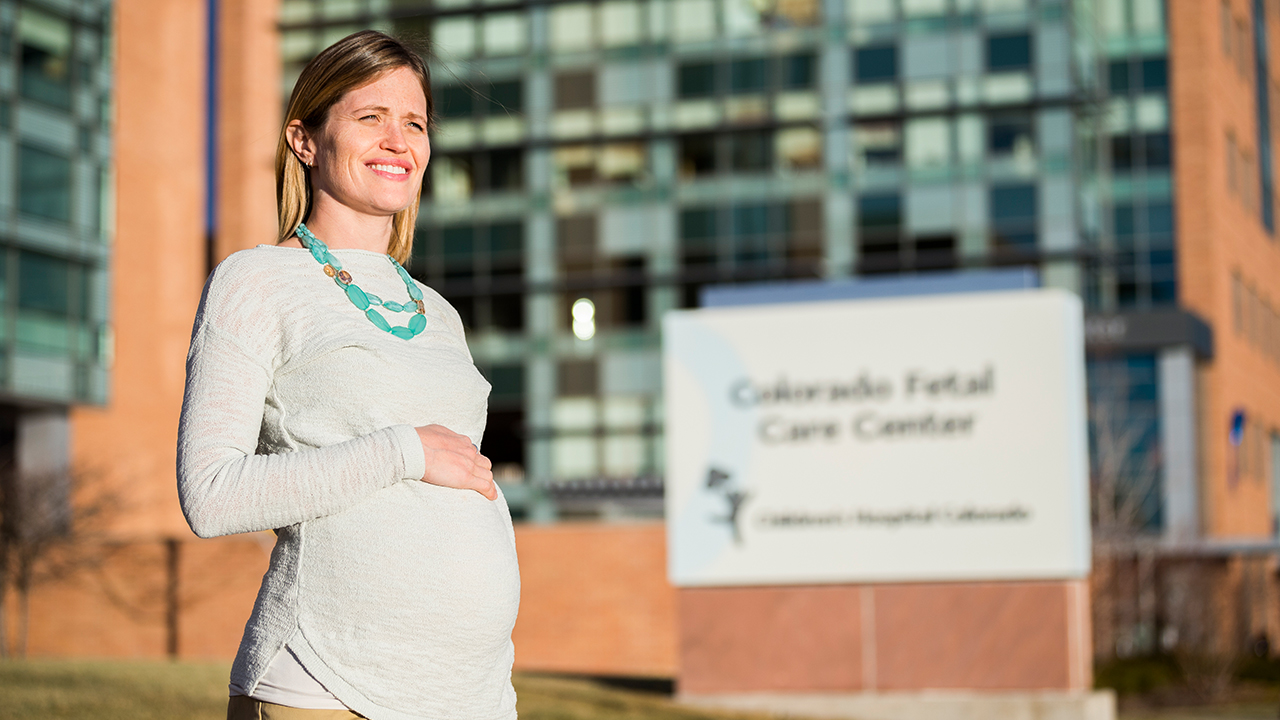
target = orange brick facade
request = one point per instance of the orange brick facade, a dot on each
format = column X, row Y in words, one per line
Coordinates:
column 1221, row 236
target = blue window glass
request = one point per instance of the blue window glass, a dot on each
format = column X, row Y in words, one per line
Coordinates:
column 459, row 248
column 1123, row 224
column 1155, row 147
column 1009, row 52
column 46, row 57
column 44, row 184
column 751, row 151
column 1013, row 217
column 1160, row 219
column 1155, row 74
column 1008, row 132
column 696, row 80
column 44, row 283
column 1124, row 433
column 1013, row 203
column 876, row 64
column 880, row 211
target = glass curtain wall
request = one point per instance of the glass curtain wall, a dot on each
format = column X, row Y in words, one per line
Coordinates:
column 54, row 163
column 599, row 162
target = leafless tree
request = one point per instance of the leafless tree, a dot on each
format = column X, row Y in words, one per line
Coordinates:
column 51, row 527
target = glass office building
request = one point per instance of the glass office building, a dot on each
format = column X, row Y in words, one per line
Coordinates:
column 599, row 162
column 55, row 121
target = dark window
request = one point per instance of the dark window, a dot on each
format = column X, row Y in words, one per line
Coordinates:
column 1155, row 74
column 575, row 90
column 1155, row 148
column 1009, row 52
column 46, row 57
column 506, row 98
column 751, row 151
column 1122, row 153
column 44, row 283
column 454, row 101
column 880, row 211
column 935, row 252
column 749, row 75
column 697, row 155
column 506, row 169
column 1013, row 217
column 44, row 184
column 879, row 234
column 797, row 71
column 1123, row 224
column 698, row 236
column 697, row 80
column 876, row 64
column 1119, row 77
column 1008, row 133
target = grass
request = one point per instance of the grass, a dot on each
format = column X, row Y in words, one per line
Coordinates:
column 157, row 690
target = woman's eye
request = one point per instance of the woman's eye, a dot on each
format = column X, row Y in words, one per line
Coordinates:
column 416, row 126
column 369, row 117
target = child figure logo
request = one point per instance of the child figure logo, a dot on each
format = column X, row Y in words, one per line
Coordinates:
column 718, row 481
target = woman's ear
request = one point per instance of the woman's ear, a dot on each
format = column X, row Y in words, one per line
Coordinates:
column 301, row 142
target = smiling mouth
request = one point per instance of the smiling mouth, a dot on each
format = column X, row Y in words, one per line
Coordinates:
column 392, row 169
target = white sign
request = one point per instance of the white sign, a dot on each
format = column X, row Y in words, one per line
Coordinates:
column 930, row 438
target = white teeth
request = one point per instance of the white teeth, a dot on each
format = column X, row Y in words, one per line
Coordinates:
column 393, row 169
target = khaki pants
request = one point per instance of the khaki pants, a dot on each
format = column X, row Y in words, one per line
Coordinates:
column 240, row 707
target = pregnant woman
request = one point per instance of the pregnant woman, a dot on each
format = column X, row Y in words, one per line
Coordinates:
column 332, row 398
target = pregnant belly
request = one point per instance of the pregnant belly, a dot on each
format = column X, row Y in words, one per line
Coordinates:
column 415, row 578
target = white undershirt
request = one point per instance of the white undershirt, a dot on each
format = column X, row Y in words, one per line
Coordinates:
column 286, row 682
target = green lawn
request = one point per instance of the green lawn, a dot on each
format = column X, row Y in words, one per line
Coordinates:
column 142, row 690
column 149, row 690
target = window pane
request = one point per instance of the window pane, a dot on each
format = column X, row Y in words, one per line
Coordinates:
column 1121, row 153
column 751, row 151
column 454, row 37
column 880, row 211
column 1009, row 52
column 928, row 143
column 1156, row 148
column 575, row 90
column 1155, row 74
column 43, row 283
column 798, row 148
column 876, row 64
column 504, row 34
column 697, row 155
column 506, row 170
column 454, row 101
column 1013, row 203
column 44, row 188
column 452, row 177
column 571, row 27
column 697, row 80
column 879, row 144
column 46, row 55
column 748, row 75
column 797, row 71
column 1011, row 135
column 1118, row 72
column 620, row 23
column 506, row 97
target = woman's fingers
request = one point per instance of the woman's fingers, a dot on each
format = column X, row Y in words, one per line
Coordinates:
column 453, row 461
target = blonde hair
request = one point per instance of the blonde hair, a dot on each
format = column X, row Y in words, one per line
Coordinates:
column 350, row 63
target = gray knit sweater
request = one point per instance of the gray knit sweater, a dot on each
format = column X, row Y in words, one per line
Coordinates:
column 299, row 415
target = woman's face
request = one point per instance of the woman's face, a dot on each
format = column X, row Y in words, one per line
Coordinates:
column 372, row 151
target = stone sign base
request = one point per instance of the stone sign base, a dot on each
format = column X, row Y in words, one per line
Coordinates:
column 927, row 705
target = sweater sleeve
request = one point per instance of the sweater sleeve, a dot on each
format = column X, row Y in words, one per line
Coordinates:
column 223, row 486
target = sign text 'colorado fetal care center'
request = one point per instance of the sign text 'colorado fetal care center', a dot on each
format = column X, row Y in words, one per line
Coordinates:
column 934, row 438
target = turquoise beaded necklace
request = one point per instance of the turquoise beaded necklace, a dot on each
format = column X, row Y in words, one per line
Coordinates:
column 366, row 301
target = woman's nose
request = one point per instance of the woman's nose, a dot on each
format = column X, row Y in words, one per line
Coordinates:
column 394, row 140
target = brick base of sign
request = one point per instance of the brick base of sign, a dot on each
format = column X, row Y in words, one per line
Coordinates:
column 886, row 638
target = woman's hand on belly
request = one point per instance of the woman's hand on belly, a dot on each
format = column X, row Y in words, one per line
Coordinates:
column 453, row 462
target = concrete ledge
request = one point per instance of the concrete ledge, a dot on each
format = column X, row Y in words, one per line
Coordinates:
column 926, row 705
